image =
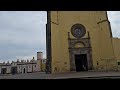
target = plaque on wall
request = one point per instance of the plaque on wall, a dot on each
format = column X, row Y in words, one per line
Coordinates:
column 78, row 30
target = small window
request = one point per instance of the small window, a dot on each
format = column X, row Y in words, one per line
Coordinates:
column 118, row 63
column 35, row 65
column 29, row 66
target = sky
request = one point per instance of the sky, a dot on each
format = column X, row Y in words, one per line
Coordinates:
column 23, row 33
column 114, row 18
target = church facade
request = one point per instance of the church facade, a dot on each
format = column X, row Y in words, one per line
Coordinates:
column 80, row 41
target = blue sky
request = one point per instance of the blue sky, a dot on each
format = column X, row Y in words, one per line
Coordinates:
column 22, row 33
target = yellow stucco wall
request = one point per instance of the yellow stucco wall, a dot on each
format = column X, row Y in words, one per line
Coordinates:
column 101, row 42
column 42, row 66
column 116, row 45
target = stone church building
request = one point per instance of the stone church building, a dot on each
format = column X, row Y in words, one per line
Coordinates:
column 80, row 41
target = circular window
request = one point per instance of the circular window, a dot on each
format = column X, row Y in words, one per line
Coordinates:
column 78, row 30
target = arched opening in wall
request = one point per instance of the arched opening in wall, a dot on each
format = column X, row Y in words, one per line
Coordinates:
column 23, row 34
column 24, row 71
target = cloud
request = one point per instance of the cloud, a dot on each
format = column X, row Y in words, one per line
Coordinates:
column 22, row 34
column 114, row 17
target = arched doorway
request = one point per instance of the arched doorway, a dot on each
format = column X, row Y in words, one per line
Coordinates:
column 24, row 70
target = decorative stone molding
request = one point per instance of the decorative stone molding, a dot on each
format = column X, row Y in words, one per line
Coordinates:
column 78, row 30
column 86, row 49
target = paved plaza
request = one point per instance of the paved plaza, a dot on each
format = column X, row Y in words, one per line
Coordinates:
column 72, row 75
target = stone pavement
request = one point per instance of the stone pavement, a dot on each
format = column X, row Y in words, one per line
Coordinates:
column 71, row 75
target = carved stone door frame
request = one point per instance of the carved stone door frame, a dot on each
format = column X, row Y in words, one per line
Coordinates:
column 74, row 52
column 86, row 49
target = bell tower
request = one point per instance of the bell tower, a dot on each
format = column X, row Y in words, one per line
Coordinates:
column 78, row 41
